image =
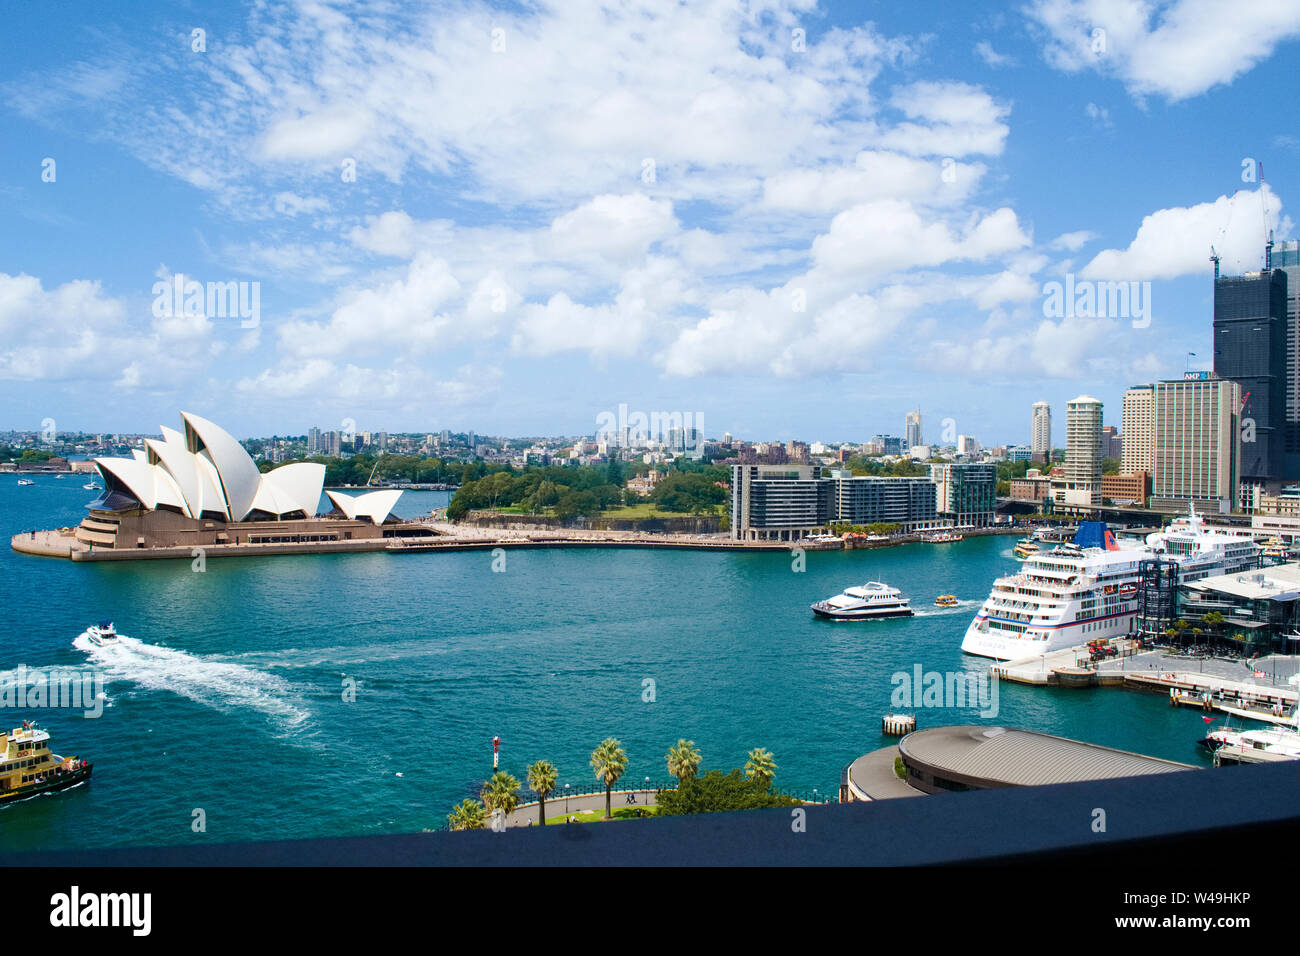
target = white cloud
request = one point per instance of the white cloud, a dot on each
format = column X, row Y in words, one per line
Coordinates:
column 615, row 227
column 890, row 235
column 984, row 50
column 402, row 312
column 1174, row 49
column 1176, row 242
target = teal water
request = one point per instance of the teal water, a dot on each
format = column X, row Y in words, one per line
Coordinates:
column 229, row 697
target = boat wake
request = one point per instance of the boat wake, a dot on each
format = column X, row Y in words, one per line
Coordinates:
column 213, row 683
column 961, row 607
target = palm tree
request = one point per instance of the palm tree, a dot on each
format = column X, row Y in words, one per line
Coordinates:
column 466, row 815
column 761, row 766
column 683, row 760
column 609, row 760
column 500, row 793
column 541, row 779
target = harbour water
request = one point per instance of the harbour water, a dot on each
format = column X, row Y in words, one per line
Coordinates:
column 229, row 697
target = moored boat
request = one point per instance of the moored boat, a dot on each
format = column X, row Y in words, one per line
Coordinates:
column 28, row 767
column 25, row 481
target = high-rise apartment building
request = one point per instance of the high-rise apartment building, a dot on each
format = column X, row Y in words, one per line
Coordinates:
column 1080, row 488
column 912, row 430
column 1250, row 348
column 1197, row 442
column 1040, row 431
column 1139, row 424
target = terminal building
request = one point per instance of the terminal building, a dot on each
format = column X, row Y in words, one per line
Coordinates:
column 1260, row 609
column 976, row 757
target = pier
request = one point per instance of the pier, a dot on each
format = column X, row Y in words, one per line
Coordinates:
column 1220, row 685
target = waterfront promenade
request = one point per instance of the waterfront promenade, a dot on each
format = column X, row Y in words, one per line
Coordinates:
column 430, row 535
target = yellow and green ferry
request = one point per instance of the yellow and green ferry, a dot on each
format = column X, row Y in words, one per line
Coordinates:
column 28, row 767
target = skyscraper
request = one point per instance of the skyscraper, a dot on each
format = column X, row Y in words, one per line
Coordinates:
column 1139, row 429
column 1286, row 258
column 1040, row 431
column 1250, row 348
column 912, row 429
column 1196, row 443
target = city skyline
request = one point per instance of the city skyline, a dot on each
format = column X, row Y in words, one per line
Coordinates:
column 796, row 223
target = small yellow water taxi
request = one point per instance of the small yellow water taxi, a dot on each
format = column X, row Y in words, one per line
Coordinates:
column 946, row 600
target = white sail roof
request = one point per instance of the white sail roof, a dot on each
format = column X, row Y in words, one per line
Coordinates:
column 204, row 470
column 238, row 475
column 375, row 505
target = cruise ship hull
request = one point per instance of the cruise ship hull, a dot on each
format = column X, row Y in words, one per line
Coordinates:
column 984, row 644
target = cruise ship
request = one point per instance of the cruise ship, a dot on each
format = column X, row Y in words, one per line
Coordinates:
column 1088, row 589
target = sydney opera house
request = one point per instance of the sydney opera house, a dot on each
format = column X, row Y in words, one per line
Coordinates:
column 198, row 487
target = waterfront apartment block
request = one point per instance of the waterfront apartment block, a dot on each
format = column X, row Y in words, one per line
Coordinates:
column 966, row 494
column 1197, row 442
column 910, row 502
column 1250, row 348
column 779, row 502
column 788, row 502
column 1139, row 430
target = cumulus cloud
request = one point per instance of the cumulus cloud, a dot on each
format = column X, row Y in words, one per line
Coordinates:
column 1176, row 242
column 1175, row 50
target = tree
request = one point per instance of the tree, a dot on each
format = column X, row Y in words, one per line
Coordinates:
column 541, row 779
column 716, row 792
column 683, row 760
column 761, row 767
column 466, row 815
column 609, row 760
column 500, row 793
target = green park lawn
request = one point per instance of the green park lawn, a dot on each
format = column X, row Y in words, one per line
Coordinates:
column 595, row 816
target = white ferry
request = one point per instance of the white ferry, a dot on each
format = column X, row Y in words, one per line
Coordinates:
column 1088, row 590
column 871, row 600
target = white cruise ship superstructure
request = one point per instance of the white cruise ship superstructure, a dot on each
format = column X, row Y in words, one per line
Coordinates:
column 1075, row 593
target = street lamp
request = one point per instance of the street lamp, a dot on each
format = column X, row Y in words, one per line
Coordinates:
column 566, row 798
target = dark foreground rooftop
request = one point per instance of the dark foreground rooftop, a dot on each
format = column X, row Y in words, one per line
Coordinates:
column 1196, row 811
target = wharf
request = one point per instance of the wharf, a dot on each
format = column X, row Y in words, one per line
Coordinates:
column 1221, row 688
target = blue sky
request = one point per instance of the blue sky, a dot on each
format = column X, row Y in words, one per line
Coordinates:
column 558, row 210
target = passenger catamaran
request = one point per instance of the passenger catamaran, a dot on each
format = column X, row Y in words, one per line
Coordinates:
column 1088, row 589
